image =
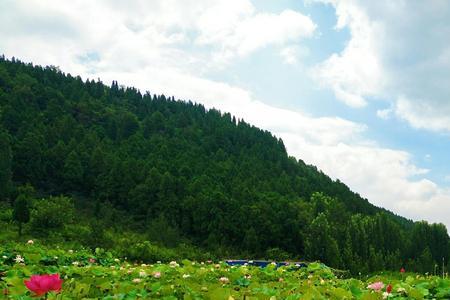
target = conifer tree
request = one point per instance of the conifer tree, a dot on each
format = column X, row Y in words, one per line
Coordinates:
column 21, row 212
column 5, row 165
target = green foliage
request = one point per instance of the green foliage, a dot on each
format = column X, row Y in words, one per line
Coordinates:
column 6, row 212
column 100, row 275
column 161, row 231
column 21, row 212
column 51, row 214
column 5, row 164
column 73, row 171
column 98, row 236
column 127, row 159
column 321, row 244
column 149, row 252
column 277, row 254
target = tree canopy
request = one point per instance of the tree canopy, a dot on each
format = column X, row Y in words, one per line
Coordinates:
column 180, row 169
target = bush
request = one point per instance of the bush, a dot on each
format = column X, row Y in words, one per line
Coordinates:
column 162, row 232
column 5, row 213
column 98, row 236
column 76, row 233
column 277, row 254
column 147, row 252
column 51, row 214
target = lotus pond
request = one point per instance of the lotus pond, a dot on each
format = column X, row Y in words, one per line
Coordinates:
column 99, row 275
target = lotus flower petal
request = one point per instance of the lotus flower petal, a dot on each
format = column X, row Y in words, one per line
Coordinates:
column 42, row 284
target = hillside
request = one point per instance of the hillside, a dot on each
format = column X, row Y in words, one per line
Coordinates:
column 176, row 172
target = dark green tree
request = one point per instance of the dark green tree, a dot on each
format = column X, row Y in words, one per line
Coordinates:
column 221, row 183
column 52, row 214
column 425, row 262
column 251, row 242
column 5, row 165
column 320, row 244
column 73, row 171
column 160, row 230
column 21, row 212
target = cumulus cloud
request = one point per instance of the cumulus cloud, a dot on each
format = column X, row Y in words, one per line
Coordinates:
column 398, row 51
column 253, row 31
column 357, row 72
column 384, row 113
column 214, row 31
column 293, row 55
column 423, row 114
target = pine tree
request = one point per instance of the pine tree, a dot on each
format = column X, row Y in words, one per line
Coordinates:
column 5, row 165
column 73, row 171
column 21, row 212
column 320, row 244
column 425, row 262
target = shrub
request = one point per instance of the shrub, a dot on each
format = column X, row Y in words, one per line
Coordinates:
column 21, row 212
column 5, row 213
column 51, row 214
column 147, row 252
column 277, row 254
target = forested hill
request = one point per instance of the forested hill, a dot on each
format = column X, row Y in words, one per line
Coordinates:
column 215, row 181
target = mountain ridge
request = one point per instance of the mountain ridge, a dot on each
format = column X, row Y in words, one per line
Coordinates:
column 204, row 175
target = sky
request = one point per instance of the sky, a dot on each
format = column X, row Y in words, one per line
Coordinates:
column 361, row 89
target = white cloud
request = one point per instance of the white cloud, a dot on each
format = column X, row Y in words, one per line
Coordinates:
column 357, row 71
column 164, row 47
column 289, row 56
column 184, row 34
column 256, row 31
column 293, row 55
column 399, row 51
column 422, row 114
column 384, row 113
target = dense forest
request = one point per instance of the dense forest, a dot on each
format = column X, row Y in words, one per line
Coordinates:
column 91, row 162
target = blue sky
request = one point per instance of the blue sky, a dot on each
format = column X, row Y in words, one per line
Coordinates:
column 348, row 86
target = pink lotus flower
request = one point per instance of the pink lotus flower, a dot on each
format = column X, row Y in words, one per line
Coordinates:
column 157, row 274
column 92, row 260
column 42, row 284
column 402, row 270
column 376, row 286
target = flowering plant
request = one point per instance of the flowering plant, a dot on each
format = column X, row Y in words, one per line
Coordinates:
column 42, row 284
column 376, row 286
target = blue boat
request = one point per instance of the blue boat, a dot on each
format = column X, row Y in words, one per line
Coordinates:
column 264, row 263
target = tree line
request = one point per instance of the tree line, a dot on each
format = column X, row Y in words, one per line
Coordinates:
column 176, row 171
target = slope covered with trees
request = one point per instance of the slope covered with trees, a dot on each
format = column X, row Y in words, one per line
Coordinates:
column 115, row 159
